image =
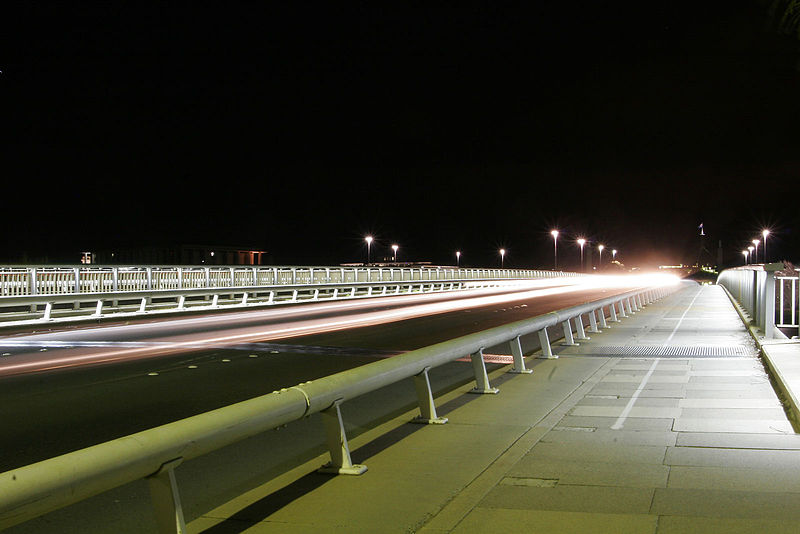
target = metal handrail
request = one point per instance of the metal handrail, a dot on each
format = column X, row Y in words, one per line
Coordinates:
column 50, row 279
column 36, row 489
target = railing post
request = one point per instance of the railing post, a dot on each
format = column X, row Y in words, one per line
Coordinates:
column 602, row 317
column 593, row 323
column 621, row 304
column 544, row 341
column 481, row 378
column 579, row 327
column 769, row 299
column 519, row 362
column 613, row 310
column 427, row 408
column 341, row 463
column 166, row 499
column 627, row 304
column 569, row 341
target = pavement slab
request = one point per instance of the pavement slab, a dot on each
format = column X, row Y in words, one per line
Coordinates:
column 590, row 442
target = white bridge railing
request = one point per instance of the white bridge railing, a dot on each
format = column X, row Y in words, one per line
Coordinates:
column 34, row 295
column 60, row 280
column 154, row 454
column 769, row 299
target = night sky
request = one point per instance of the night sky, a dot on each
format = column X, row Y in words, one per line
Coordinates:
column 298, row 130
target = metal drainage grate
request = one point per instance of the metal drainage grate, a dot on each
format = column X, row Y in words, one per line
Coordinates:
column 725, row 351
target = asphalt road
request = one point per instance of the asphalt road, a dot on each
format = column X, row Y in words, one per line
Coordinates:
column 65, row 390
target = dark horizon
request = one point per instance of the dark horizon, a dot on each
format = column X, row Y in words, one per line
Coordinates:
column 299, row 130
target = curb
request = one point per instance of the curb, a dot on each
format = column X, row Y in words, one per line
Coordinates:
column 772, row 368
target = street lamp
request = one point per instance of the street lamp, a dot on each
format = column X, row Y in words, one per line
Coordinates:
column 554, row 233
column 394, row 249
column 369, row 240
column 756, row 242
column 458, row 258
column 745, row 253
column 750, row 248
column 502, row 256
column 581, row 242
column 764, row 234
column 600, row 261
column 613, row 254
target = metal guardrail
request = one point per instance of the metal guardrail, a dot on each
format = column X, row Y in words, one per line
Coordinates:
column 36, row 489
column 34, row 295
column 61, row 280
column 753, row 286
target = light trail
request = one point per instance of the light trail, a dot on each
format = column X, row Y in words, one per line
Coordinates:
column 287, row 323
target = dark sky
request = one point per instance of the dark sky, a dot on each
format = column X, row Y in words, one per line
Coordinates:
column 299, row 130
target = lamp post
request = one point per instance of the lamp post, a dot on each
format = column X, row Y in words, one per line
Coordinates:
column 458, row 258
column 581, row 242
column 744, row 253
column 750, row 248
column 756, row 242
column 394, row 250
column 554, row 233
column 613, row 254
column 502, row 256
column 600, row 260
column 369, row 240
column 764, row 234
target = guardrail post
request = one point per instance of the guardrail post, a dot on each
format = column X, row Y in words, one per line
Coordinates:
column 166, row 499
column 98, row 311
column 427, row 408
column 48, row 308
column 634, row 300
column 769, row 299
column 544, row 341
column 569, row 341
column 627, row 303
column 593, row 323
column 340, row 463
column 612, row 308
column 579, row 326
column 481, row 378
column 601, row 314
column 519, row 362
column 621, row 304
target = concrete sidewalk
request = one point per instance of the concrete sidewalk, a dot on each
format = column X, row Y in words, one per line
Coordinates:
column 664, row 423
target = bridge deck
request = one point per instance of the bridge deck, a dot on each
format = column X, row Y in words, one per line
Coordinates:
column 685, row 436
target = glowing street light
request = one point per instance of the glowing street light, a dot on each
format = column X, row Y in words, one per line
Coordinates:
column 600, row 261
column 613, row 254
column 458, row 258
column 745, row 253
column 581, row 242
column 750, row 248
column 502, row 256
column 764, row 234
column 554, row 233
column 756, row 242
column 394, row 249
column 369, row 240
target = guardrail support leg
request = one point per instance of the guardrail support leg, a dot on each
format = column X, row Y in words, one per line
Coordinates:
column 427, row 408
column 602, row 316
column 621, row 308
column 481, row 378
column 634, row 303
column 340, row 463
column 569, row 341
column 627, row 304
column 593, row 323
column 519, row 362
column 544, row 341
column 579, row 327
column 98, row 311
column 166, row 499
column 48, row 308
